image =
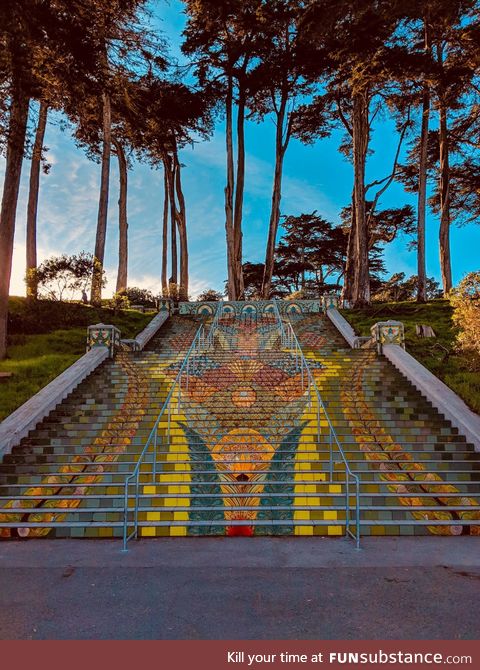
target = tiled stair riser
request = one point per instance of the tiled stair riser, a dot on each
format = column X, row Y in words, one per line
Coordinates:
column 188, row 497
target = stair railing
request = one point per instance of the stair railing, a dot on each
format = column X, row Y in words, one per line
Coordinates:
column 290, row 341
column 200, row 343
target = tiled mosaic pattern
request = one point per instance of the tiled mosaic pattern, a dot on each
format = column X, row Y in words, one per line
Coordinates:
column 243, row 457
column 253, row 308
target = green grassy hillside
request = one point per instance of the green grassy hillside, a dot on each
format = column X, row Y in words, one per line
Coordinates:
column 45, row 338
column 438, row 354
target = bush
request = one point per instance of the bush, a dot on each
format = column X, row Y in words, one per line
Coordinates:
column 65, row 277
column 465, row 300
column 139, row 296
column 210, row 295
column 119, row 301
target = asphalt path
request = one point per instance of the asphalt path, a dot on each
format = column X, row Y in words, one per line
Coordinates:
column 241, row 589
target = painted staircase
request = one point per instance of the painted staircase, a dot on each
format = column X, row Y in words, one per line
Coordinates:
column 246, row 448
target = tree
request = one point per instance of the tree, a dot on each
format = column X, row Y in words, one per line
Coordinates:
column 359, row 40
column 309, row 252
column 40, row 41
column 59, row 275
column 276, row 86
column 397, row 288
column 35, row 166
column 170, row 116
column 222, row 38
column 465, row 300
column 210, row 295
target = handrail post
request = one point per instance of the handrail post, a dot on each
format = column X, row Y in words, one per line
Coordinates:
column 347, row 507
column 154, row 469
column 137, row 483
column 125, row 515
column 330, row 442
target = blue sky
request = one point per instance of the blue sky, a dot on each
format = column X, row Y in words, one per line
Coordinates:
column 316, row 178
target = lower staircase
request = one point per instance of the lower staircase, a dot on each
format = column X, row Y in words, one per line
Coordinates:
column 244, row 445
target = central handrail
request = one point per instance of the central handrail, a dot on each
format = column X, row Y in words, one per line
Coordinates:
column 200, row 343
column 290, row 341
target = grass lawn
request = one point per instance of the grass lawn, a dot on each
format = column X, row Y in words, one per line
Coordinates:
column 437, row 354
column 35, row 358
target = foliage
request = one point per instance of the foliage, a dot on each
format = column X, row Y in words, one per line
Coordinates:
column 440, row 354
column 465, row 300
column 65, row 277
column 210, row 295
column 138, row 296
column 310, row 250
column 397, row 288
column 119, row 301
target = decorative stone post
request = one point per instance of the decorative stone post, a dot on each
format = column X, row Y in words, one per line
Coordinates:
column 388, row 332
column 330, row 301
column 165, row 305
column 101, row 335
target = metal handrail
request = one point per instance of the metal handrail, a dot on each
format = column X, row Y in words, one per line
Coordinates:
column 199, row 344
column 290, row 341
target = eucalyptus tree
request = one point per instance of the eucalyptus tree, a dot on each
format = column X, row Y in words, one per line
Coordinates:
column 357, row 38
column 277, row 87
column 444, row 30
column 170, row 116
column 40, row 41
column 221, row 38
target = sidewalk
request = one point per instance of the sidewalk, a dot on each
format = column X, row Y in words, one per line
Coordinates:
column 241, row 588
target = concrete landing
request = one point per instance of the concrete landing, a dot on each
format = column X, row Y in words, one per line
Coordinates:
column 241, row 588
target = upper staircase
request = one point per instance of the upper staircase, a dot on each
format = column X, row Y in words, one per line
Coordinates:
column 244, row 445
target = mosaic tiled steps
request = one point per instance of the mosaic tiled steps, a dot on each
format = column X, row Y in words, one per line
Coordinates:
column 418, row 475
column 246, row 459
column 243, row 455
column 66, row 475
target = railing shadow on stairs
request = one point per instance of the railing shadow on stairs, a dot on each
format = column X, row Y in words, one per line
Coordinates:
column 202, row 342
column 290, row 341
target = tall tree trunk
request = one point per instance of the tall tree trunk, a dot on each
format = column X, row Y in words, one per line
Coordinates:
column 32, row 206
column 122, row 218
column 422, row 182
column 361, row 288
column 239, row 190
column 445, row 262
column 280, row 149
column 97, row 277
column 173, row 281
column 349, row 274
column 165, row 233
column 13, row 168
column 182, row 230
column 229, row 189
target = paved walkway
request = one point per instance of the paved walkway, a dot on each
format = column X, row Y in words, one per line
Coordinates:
column 241, row 588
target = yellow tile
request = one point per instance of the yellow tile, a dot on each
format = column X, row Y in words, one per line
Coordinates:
column 180, row 516
column 147, row 532
column 335, row 488
column 330, row 515
column 153, row 516
column 303, row 530
column 148, row 490
column 334, row 530
column 302, row 515
column 178, row 531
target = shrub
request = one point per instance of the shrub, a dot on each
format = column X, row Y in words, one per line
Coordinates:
column 465, row 300
column 210, row 295
column 65, row 277
column 139, row 296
